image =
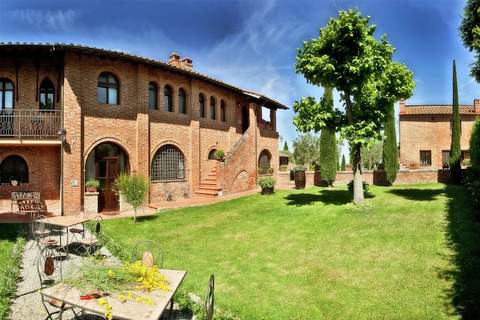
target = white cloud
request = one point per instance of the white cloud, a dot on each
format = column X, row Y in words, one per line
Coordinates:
column 51, row 19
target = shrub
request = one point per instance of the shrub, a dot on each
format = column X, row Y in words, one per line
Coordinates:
column 134, row 188
column 471, row 180
column 299, row 169
column 266, row 182
column 365, row 187
column 219, row 154
column 475, row 145
column 92, row 183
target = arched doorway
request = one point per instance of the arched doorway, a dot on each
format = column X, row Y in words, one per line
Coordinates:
column 211, row 154
column 245, row 119
column 264, row 162
column 105, row 163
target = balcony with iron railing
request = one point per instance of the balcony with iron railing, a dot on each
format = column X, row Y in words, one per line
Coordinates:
column 30, row 124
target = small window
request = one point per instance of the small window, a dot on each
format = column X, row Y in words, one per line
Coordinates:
column 13, row 168
column 182, row 101
column 201, row 101
column 47, row 95
column 465, row 155
column 445, row 158
column 168, row 164
column 167, row 97
column 425, row 157
column 211, row 154
column 223, row 115
column 152, row 96
column 213, row 110
column 107, row 91
column 6, row 94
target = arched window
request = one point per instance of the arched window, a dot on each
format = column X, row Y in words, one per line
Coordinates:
column 152, row 96
column 47, row 95
column 264, row 162
column 13, row 168
column 167, row 97
column 201, row 101
column 212, row 108
column 223, row 115
column 211, row 154
column 107, row 90
column 6, row 94
column 168, row 164
column 182, row 101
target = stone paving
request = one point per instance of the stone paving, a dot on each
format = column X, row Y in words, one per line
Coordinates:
column 28, row 304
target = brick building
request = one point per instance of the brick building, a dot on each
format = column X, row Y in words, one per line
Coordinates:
column 425, row 134
column 70, row 113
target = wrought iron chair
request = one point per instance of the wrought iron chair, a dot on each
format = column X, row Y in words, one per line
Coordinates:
column 92, row 241
column 209, row 304
column 49, row 268
column 152, row 254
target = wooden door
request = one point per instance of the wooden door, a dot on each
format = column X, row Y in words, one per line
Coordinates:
column 107, row 170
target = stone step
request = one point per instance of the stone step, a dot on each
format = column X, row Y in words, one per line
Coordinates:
column 209, row 187
column 204, row 192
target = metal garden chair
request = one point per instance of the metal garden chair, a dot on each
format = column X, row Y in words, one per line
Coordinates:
column 91, row 242
column 49, row 269
column 209, row 304
column 42, row 236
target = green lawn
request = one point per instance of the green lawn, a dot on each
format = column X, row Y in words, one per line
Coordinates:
column 11, row 246
column 410, row 253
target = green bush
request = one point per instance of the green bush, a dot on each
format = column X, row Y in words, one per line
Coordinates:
column 134, row 188
column 219, row 154
column 471, row 180
column 92, row 183
column 475, row 145
column 266, row 182
column 299, row 169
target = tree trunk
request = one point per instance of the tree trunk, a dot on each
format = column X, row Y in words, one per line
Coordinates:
column 134, row 215
column 356, row 163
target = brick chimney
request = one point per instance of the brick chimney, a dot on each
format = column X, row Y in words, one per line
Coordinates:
column 476, row 106
column 174, row 59
column 186, row 63
column 402, row 106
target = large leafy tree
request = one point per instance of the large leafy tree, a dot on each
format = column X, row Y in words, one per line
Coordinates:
column 346, row 56
column 470, row 31
column 390, row 150
column 455, row 149
column 306, row 149
column 328, row 144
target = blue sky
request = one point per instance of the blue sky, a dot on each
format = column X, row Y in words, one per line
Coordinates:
column 252, row 44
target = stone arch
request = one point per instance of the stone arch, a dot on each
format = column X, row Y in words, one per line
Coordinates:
column 264, row 161
column 240, row 182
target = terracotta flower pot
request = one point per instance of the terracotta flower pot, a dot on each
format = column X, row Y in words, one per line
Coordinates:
column 267, row 190
column 300, row 180
column 91, row 189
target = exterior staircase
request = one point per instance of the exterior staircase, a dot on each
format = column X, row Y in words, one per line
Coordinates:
column 209, row 186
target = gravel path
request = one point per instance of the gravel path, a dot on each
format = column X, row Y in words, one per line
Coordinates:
column 28, row 304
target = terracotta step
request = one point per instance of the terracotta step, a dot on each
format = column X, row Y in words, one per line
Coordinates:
column 209, row 187
column 210, row 179
column 211, row 193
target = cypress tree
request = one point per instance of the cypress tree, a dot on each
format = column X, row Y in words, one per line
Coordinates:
column 343, row 165
column 390, row 151
column 328, row 145
column 285, row 146
column 455, row 149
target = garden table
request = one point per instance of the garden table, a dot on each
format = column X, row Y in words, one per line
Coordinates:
column 127, row 310
column 65, row 222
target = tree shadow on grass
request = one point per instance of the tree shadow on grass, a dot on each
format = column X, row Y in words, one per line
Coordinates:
column 417, row 194
column 336, row 197
column 463, row 235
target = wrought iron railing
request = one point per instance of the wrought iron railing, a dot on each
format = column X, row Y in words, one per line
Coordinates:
column 30, row 124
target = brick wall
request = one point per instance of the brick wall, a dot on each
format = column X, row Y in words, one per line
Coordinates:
column 43, row 170
column 430, row 132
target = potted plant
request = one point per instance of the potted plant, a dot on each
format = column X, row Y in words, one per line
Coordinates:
column 134, row 189
column 299, row 176
column 92, row 185
column 219, row 155
column 267, row 183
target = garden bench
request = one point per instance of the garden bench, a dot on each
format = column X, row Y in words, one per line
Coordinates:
column 23, row 195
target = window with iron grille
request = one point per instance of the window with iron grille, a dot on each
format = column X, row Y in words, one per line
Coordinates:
column 168, row 164
column 425, row 157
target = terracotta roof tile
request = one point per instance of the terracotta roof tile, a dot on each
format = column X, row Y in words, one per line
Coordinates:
column 435, row 109
column 133, row 57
